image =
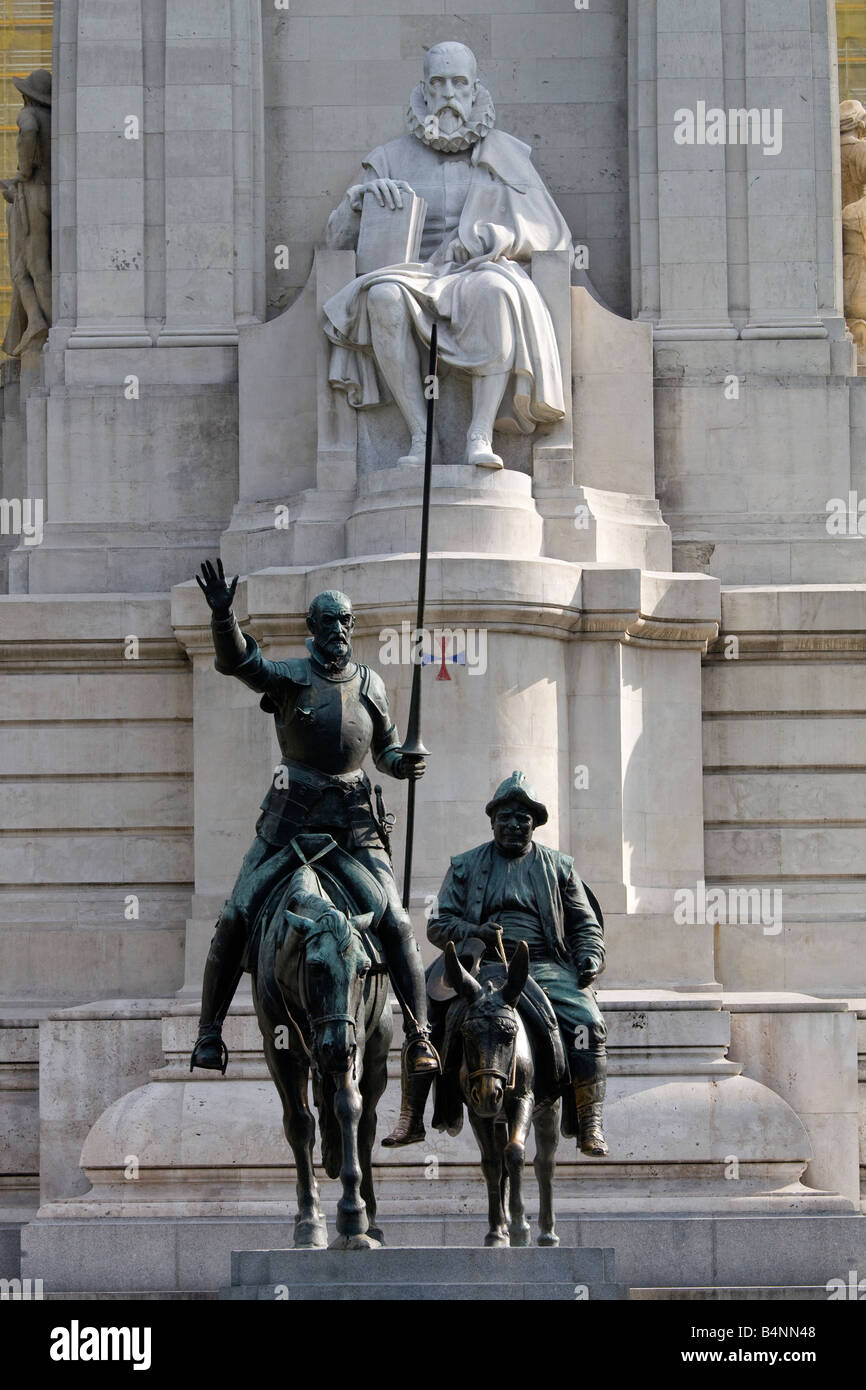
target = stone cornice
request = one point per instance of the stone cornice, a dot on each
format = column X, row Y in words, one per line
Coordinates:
column 793, row 622
column 83, row 654
column 534, row 597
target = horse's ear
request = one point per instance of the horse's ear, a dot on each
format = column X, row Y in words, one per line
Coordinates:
column 518, row 972
column 459, row 979
column 362, row 921
column 295, row 923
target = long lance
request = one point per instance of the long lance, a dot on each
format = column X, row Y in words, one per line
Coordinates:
column 413, row 747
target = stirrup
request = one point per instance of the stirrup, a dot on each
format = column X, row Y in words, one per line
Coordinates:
column 210, row 1035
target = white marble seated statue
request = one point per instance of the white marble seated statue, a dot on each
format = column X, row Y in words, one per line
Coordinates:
column 487, row 212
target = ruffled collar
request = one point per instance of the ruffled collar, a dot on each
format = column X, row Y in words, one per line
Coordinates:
column 480, row 123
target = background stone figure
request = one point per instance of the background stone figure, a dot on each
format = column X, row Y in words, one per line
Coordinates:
column 487, row 211
column 852, row 128
column 28, row 219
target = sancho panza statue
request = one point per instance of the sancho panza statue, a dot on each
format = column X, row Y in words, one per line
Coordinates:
column 487, row 212
column 330, row 712
column 511, row 890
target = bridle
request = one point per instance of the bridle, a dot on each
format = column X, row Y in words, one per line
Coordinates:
column 508, row 1078
column 319, row 1022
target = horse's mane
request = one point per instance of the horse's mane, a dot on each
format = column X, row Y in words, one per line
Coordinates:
column 337, row 923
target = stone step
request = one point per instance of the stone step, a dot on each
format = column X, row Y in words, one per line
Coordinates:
column 757, row 1293
column 451, row 1265
column 189, row 1252
column 427, row 1293
column 457, row 1272
column 136, row 1296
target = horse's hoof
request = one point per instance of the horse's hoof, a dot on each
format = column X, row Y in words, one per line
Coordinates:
column 376, row 1234
column 365, row 1242
column 311, row 1235
column 495, row 1242
column 519, row 1238
column 548, row 1238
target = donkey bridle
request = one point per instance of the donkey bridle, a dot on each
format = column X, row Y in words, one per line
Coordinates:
column 507, row 1079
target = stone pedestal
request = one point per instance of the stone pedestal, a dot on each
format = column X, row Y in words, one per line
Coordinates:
column 472, row 511
column 424, row 1275
column 191, row 1167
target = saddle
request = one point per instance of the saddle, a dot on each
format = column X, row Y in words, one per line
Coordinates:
column 552, row 1076
column 350, row 887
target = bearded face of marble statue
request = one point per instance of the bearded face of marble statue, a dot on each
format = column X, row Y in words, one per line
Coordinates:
column 450, row 85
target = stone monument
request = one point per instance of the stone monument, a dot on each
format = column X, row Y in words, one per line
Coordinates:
column 663, row 627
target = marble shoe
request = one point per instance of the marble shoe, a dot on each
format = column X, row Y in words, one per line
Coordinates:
column 479, row 451
column 415, row 456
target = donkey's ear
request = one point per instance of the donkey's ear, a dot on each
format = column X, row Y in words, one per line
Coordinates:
column 459, row 979
column 362, row 920
column 518, row 971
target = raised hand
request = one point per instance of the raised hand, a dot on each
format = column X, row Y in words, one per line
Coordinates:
column 218, row 593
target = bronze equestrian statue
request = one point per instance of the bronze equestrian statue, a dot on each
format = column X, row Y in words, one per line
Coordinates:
column 330, row 712
column 512, row 890
column 320, row 990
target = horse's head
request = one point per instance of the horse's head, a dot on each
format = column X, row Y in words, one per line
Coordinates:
column 332, row 969
column 490, row 1030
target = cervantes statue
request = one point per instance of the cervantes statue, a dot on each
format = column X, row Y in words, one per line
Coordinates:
column 487, row 211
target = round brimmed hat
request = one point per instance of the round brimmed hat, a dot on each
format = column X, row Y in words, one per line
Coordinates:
column 37, row 86
column 517, row 788
column 851, row 115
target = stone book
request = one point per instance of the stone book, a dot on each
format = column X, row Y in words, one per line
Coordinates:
column 390, row 236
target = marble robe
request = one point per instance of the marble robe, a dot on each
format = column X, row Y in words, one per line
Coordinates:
column 491, row 317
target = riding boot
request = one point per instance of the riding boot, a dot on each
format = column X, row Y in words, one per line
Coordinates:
column 222, row 973
column 589, row 1090
column 407, row 978
column 419, row 1061
column 409, row 1128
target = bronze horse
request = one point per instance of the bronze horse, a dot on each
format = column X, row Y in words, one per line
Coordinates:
column 320, row 991
column 497, row 1081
